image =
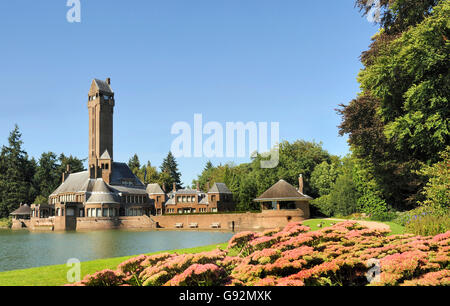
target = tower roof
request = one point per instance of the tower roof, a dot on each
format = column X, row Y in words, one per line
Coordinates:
column 105, row 155
column 103, row 86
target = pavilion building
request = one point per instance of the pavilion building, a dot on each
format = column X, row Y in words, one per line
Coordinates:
column 284, row 196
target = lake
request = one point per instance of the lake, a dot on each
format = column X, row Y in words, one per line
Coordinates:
column 24, row 249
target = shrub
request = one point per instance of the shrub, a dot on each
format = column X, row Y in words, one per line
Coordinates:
column 339, row 255
column 430, row 224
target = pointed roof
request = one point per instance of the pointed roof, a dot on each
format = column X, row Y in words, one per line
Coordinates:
column 22, row 211
column 282, row 191
column 219, row 188
column 101, row 193
column 105, row 155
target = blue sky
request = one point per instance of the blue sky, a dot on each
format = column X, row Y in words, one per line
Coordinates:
column 286, row 61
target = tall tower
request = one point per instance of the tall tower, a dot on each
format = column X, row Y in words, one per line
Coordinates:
column 101, row 109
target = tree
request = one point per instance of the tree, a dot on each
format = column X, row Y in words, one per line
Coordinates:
column 75, row 164
column 148, row 174
column 16, row 173
column 170, row 166
column 437, row 189
column 400, row 119
column 324, row 176
column 47, row 176
column 134, row 164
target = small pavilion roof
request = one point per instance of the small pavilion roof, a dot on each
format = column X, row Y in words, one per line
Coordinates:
column 282, row 191
column 22, row 211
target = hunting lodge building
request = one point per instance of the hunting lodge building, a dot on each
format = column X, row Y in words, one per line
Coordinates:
column 109, row 195
column 110, row 189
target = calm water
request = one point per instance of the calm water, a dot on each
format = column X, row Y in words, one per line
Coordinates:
column 23, row 249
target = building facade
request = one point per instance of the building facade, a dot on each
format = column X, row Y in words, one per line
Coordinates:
column 109, row 191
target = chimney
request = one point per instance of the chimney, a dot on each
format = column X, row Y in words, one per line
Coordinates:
column 207, row 187
column 164, row 187
column 63, row 177
column 68, row 168
column 174, row 187
column 108, row 80
column 300, row 184
column 198, row 186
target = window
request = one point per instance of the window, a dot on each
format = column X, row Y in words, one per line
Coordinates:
column 99, row 212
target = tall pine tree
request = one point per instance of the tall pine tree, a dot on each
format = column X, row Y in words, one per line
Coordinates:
column 170, row 166
column 16, row 173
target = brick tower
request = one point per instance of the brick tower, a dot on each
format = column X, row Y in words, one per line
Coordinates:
column 101, row 109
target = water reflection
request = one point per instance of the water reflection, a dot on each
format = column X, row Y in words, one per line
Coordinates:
column 23, row 249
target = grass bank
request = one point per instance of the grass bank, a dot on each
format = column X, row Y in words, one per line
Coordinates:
column 57, row 275
column 396, row 229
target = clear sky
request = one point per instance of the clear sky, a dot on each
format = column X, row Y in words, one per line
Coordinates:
column 286, row 61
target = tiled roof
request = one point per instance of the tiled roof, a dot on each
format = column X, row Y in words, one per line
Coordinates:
column 22, row 210
column 154, row 189
column 219, row 188
column 282, row 190
column 103, row 86
column 75, row 182
column 122, row 171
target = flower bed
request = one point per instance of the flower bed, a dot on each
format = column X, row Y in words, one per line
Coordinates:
column 345, row 254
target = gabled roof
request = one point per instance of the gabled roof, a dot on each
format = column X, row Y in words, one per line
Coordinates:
column 22, row 211
column 282, row 191
column 154, row 189
column 219, row 188
column 103, row 86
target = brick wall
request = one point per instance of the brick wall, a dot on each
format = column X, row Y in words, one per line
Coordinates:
column 251, row 221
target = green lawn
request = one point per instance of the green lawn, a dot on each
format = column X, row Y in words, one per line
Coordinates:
column 56, row 275
column 313, row 223
column 396, row 229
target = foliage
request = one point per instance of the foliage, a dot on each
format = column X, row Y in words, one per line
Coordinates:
column 16, row 172
column 56, row 275
column 401, row 118
column 134, row 164
column 428, row 224
column 249, row 180
column 324, row 176
column 437, row 189
column 5, row 222
column 170, row 167
column 339, row 255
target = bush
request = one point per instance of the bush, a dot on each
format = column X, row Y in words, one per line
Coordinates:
column 428, row 224
column 339, row 255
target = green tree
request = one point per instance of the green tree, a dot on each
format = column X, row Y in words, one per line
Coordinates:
column 400, row 119
column 134, row 164
column 170, row 166
column 324, row 176
column 148, row 174
column 16, row 173
column 47, row 176
column 437, row 189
